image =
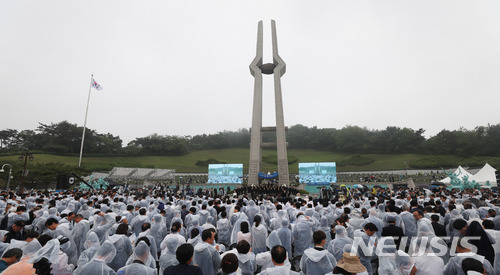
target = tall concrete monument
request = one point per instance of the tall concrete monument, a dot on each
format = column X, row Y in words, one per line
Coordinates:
column 277, row 68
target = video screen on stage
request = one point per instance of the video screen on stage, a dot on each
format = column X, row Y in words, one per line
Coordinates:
column 317, row 173
column 225, row 173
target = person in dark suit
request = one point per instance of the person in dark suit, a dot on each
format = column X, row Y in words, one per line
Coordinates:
column 393, row 231
column 184, row 256
column 439, row 229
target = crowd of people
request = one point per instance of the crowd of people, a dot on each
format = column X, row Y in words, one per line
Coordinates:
column 158, row 231
column 267, row 190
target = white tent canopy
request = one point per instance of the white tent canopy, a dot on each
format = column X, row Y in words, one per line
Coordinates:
column 461, row 173
column 486, row 174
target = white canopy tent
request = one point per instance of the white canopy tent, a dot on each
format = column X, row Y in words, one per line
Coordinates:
column 485, row 175
column 461, row 173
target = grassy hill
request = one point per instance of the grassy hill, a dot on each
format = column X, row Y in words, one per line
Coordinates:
column 187, row 163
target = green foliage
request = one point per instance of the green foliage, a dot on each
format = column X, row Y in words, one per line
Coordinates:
column 273, row 159
column 205, row 163
column 64, row 138
column 356, row 160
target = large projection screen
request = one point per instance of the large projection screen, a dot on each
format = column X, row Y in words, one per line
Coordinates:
column 318, row 173
column 225, row 173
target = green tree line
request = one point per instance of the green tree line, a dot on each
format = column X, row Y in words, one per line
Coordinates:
column 65, row 138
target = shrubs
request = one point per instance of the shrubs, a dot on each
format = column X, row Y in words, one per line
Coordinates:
column 273, row 159
column 208, row 161
column 356, row 160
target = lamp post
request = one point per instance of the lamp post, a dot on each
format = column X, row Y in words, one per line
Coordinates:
column 10, row 174
column 25, row 156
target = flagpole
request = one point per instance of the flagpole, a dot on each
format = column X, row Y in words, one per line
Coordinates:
column 85, row 122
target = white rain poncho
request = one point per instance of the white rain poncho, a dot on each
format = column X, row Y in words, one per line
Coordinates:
column 40, row 225
column 80, row 232
column 207, row 258
column 209, row 224
column 381, row 211
column 169, row 257
column 204, row 214
column 169, row 214
column 176, row 235
column 3, row 246
column 302, row 235
column 69, row 249
column 188, row 220
column 454, row 215
column 148, row 260
column 265, row 261
column 373, row 218
column 158, row 230
column 69, row 208
column 101, row 226
column 251, row 211
column 237, row 228
column 404, row 262
column 13, row 217
column 259, row 236
column 365, row 259
column 195, row 224
column 50, row 251
column 58, row 260
column 123, row 250
column 386, row 251
column 279, row 270
column 98, row 264
column 454, row 266
column 85, row 211
column 273, row 240
column 31, row 248
column 426, row 231
column 285, row 235
column 53, row 214
column 91, row 246
column 426, row 262
column 141, row 262
column 410, row 224
column 314, row 262
column 137, row 223
column 336, row 246
column 177, row 218
column 325, row 227
column 246, row 263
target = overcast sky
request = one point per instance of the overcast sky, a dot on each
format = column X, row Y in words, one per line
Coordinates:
column 181, row 67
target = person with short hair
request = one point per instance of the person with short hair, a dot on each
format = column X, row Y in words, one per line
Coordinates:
column 279, row 259
column 439, row 229
column 471, row 264
column 463, row 251
column 246, row 258
column 184, row 256
column 55, row 231
column 317, row 260
column 224, row 229
column 175, row 233
column 15, row 231
column 366, row 235
column 10, row 257
column 80, row 230
column 392, row 230
column 206, row 256
column 229, row 264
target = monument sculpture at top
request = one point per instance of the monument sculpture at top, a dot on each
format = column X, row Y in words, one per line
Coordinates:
column 277, row 68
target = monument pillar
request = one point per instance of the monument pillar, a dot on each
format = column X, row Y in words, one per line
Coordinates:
column 277, row 68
